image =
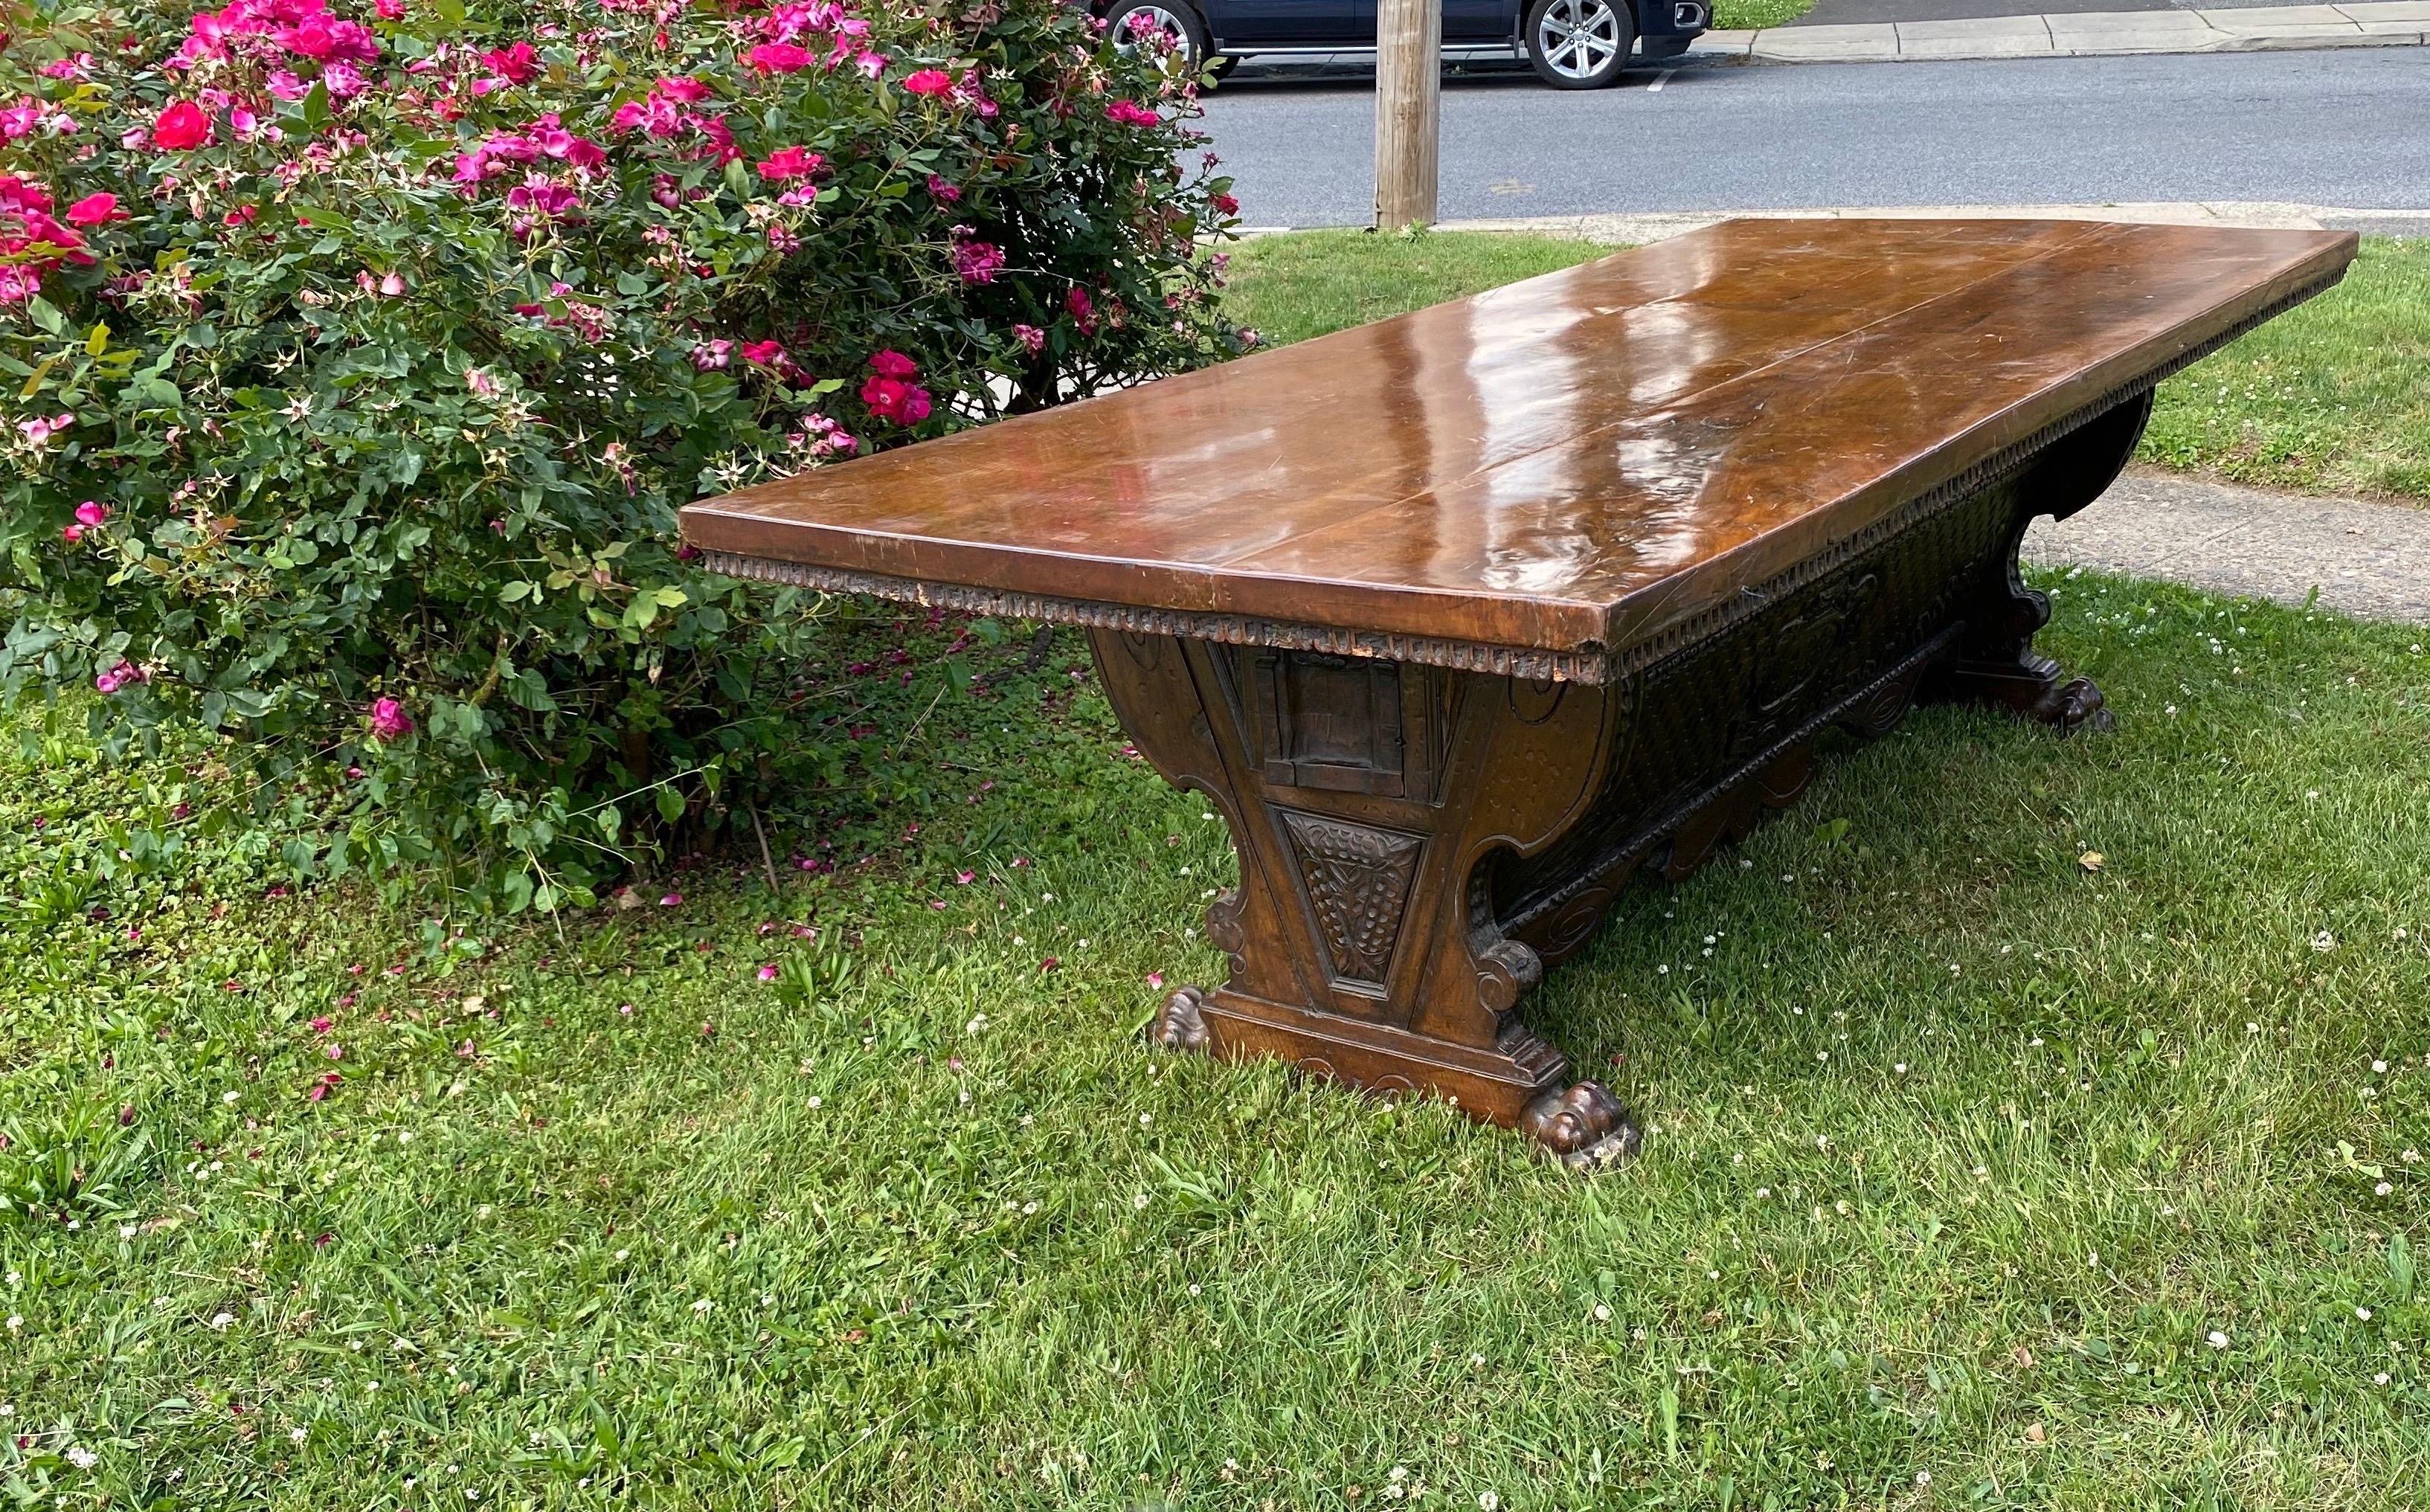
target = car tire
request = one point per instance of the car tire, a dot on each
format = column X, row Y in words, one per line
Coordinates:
column 1579, row 44
column 1172, row 15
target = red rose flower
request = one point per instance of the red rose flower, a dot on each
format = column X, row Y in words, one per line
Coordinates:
column 780, row 57
column 182, row 127
column 95, row 209
column 790, row 163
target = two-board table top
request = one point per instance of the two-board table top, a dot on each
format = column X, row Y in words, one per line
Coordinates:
column 1565, row 465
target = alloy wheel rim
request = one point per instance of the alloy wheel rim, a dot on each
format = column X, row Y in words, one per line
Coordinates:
column 1578, row 38
column 1164, row 21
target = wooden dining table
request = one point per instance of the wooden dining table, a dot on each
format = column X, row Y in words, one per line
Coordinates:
column 1467, row 619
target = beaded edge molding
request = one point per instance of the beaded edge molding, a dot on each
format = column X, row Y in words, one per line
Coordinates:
column 1231, row 629
column 1593, row 667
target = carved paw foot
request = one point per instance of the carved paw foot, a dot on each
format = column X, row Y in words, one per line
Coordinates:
column 2072, row 706
column 1585, row 1126
column 1180, row 1024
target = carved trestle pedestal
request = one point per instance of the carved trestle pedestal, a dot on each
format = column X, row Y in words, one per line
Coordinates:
column 1418, row 843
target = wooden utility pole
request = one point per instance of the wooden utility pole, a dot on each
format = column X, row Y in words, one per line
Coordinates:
column 1409, row 89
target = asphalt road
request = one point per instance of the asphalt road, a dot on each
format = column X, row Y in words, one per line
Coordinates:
column 2338, row 126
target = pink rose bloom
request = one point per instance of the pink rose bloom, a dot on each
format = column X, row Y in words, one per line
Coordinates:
column 518, row 64
column 95, row 209
column 1132, row 113
column 125, row 674
column 91, row 513
column 780, row 57
column 929, row 81
column 389, row 9
column 182, row 127
column 888, row 363
column 1030, row 337
column 327, row 40
column 904, row 404
column 710, row 355
column 938, row 189
column 766, row 353
column 978, row 263
column 1083, row 309
column 790, row 163
column 389, row 720
column 655, row 117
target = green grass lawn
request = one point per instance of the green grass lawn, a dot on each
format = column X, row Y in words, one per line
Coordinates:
column 1753, row 14
column 2331, row 397
column 1974, row 1176
column 2334, row 396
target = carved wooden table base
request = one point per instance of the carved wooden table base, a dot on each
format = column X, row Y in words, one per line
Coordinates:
column 1419, row 843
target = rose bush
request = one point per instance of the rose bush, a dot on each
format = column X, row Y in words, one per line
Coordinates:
column 358, row 355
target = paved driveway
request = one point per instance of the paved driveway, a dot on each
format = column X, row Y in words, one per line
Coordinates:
column 2349, row 127
column 1851, row 12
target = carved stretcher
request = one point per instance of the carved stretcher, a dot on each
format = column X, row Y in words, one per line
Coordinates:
column 1466, row 619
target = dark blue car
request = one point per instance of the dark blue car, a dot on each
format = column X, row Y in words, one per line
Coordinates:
column 1575, row 45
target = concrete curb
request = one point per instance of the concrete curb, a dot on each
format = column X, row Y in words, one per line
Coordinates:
column 1633, row 229
column 2087, row 33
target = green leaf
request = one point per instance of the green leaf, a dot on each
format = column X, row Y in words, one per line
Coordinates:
column 671, row 805
column 98, row 340
column 47, row 315
column 516, row 592
column 316, row 104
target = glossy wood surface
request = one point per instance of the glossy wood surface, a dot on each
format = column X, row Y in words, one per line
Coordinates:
column 1577, row 461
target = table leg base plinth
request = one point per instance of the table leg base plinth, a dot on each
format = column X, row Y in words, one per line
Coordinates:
column 1520, row 1082
column 2034, row 688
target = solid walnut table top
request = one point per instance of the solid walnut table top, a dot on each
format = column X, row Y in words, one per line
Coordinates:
column 1561, row 468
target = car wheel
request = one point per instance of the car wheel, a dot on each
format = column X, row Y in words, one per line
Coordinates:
column 1579, row 44
column 1129, row 21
